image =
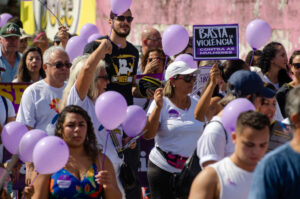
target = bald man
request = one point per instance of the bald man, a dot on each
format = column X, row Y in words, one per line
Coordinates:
column 150, row 39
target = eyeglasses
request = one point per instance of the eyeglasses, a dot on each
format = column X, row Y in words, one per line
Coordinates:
column 186, row 78
column 122, row 18
column 296, row 65
column 153, row 58
column 105, row 77
column 59, row 65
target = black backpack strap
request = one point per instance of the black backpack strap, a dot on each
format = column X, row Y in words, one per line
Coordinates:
column 6, row 108
column 226, row 137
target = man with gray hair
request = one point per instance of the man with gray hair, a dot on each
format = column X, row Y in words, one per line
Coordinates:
column 278, row 174
column 39, row 103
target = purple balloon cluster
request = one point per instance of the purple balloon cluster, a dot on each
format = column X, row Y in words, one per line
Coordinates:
column 75, row 45
column 48, row 153
column 112, row 111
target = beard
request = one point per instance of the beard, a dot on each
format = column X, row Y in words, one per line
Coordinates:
column 124, row 35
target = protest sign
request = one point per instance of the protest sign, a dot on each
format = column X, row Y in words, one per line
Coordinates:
column 13, row 92
column 216, row 42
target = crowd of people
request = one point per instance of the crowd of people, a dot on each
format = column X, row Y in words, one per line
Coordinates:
column 259, row 160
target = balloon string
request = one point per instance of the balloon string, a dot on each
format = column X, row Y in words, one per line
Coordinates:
column 23, row 196
column 45, row 5
column 254, row 49
column 166, row 61
column 104, row 151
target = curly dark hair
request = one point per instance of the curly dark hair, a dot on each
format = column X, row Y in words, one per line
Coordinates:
column 268, row 53
column 23, row 73
column 146, row 56
column 90, row 143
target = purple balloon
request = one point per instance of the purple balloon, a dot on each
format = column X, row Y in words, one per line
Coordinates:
column 135, row 120
column 87, row 30
column 187, row 59
column 4, row 18
column 232, row 111
column 28, row 143
column 75, row 47
column 175, row 39
column 258, row 33
column 50, row 154
column 94, row 37
column 119, row 6
column 11, row 136
column 110, row 108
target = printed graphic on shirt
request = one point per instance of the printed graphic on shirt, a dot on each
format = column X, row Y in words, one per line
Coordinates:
column 54, row 104
column 123, row 67
column 173, row 113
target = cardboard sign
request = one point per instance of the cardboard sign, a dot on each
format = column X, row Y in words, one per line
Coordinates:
column 215, row 42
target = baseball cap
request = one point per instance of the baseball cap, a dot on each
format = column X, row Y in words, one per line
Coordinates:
column 178, row 68
column 10, row 29
column 245, row 83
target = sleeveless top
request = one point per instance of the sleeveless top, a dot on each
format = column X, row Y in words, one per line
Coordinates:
column 64, row 185
column 235, row 182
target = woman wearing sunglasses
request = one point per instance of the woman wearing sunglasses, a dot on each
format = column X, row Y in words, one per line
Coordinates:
column 172, row 123
column 294, row 63
column 31, row 66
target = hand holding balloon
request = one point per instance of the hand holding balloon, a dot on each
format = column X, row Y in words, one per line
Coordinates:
column 104, row 177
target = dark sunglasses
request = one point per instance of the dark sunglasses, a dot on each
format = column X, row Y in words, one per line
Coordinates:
column 122, row 18
column 186, row 78
column 153, row 58
column 59, row 65
column 105, row 77
column 296, row 65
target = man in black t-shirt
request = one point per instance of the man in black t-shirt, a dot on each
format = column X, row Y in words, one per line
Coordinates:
column 121, row 68
column 122, row 63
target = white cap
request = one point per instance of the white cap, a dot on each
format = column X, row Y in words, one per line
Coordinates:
column 24, row 35
column 178, row 68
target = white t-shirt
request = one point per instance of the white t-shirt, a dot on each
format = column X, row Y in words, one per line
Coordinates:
column 212, row 144
column 101, row 134
column 235, row 182
column 39, row 106
column 10, row 111
column 178, row 133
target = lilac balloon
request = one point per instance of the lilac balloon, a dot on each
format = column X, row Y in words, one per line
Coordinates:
column 50, row 154
column 119, row 6
column 75, row 47
column 94, row 37
column 28, row 143
column 187, row 59
column 110, row 109
column 258, row 33
column 135, row 120
column 4, row 18
column 174, row 39
column 87, row 30
column 232, row 111
column 11, row 136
